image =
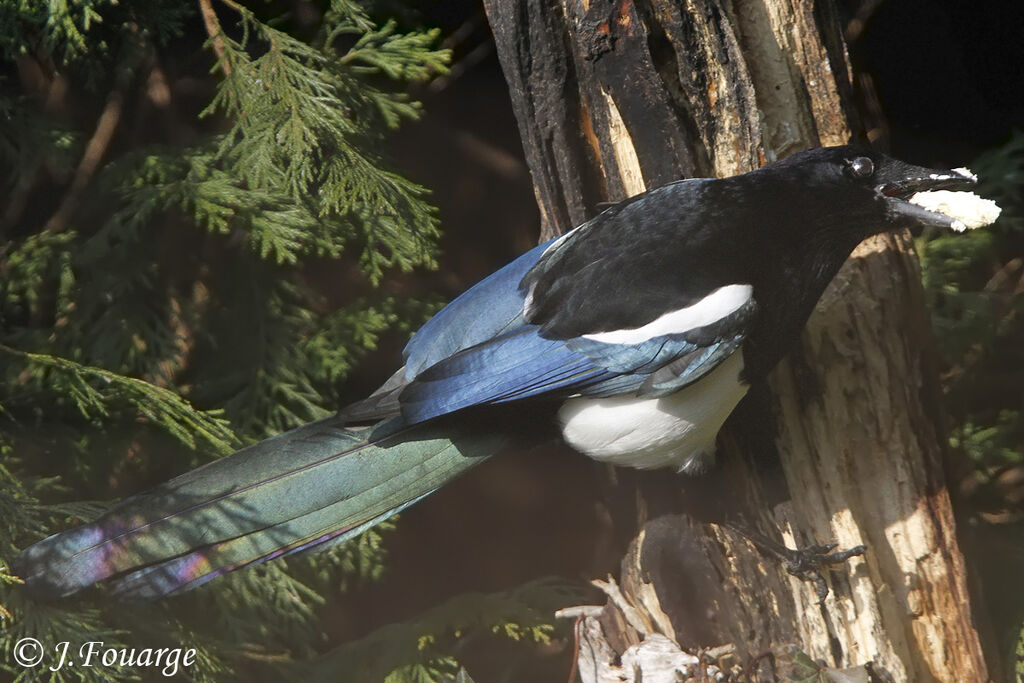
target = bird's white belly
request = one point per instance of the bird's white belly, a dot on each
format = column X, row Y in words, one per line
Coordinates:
column 677, row 431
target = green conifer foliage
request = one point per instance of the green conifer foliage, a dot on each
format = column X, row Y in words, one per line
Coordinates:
column 973, row 283
column 169, row 173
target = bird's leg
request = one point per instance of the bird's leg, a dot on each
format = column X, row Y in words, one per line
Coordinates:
column 804, row 563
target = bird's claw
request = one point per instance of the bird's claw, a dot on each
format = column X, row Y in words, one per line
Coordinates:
column 806, row 563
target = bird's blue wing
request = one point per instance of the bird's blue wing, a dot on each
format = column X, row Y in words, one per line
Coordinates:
column 490, row 308
column 517, row 364
column 522, row 364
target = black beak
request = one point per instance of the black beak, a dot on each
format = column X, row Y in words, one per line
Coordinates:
column 899, row 181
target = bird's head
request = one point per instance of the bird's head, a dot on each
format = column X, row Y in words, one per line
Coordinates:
column 871, row 192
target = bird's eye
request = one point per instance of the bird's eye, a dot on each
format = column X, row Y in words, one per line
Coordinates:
column 862, row 167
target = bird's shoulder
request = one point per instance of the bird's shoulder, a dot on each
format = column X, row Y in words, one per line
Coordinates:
column 662, row 251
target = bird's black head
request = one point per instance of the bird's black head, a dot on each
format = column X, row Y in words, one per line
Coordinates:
column 859, row 191
column 815, row 207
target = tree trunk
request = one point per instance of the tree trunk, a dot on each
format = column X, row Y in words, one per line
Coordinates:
column 617, row 96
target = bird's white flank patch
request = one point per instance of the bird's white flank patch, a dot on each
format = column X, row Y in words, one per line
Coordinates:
column 676, row 431
column 968, row 209
column 712, row 308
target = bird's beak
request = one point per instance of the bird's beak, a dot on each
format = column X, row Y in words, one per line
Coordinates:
column 899, row 182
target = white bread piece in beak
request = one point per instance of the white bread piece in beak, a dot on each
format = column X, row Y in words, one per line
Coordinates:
column 969, row 210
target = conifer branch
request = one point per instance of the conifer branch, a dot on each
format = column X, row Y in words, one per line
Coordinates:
column 161, row 406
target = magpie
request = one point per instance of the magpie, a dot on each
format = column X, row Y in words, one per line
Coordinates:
column 634, row 336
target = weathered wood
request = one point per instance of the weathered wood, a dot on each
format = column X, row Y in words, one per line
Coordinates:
column 541, row 75
column 617, row 96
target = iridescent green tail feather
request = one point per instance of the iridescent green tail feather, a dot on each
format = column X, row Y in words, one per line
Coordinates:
column 312, row 486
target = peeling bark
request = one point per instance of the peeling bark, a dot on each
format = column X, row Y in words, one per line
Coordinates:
column 617, row 96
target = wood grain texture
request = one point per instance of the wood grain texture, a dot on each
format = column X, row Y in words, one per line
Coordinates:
column 862, row 448
column 614, row 96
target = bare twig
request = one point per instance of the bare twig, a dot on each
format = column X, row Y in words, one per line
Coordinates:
column 474, row 57
column 579, row 611
column 94, row 151
column 575, row 648
column 216, row 34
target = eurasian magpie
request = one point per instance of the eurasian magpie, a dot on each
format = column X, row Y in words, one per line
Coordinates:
column 635, row 335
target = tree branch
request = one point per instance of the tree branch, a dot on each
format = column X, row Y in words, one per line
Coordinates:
column 95, row 149
column 216, row 33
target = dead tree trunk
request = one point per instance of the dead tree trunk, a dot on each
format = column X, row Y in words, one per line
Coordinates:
column 617, row 96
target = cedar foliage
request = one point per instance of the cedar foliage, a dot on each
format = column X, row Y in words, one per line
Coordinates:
column 157, row 307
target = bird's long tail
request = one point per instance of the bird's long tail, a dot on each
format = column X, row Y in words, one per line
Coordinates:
column 315, row 485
